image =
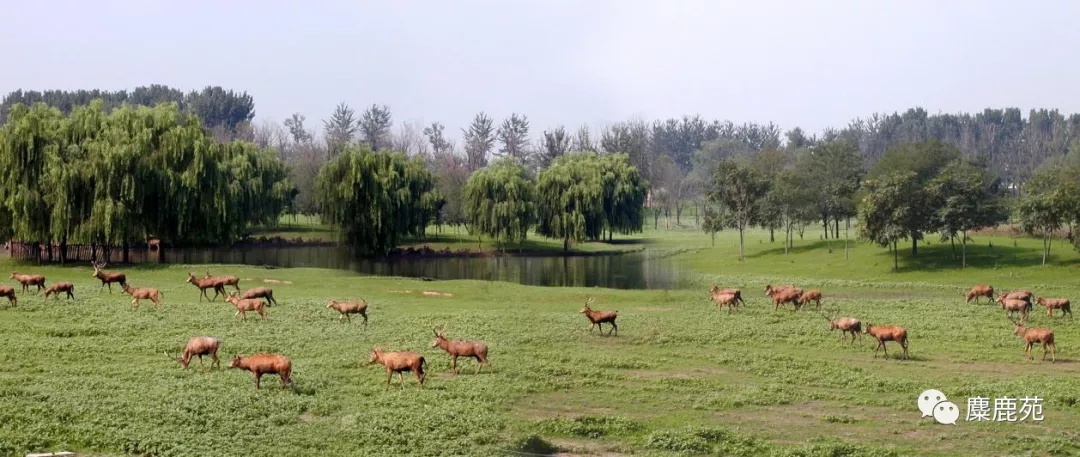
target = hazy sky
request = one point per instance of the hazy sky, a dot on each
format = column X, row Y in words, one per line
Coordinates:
column 807, row 63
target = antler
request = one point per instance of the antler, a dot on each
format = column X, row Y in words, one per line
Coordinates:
column 589, row 300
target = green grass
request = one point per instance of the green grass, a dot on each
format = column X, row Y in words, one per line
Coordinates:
column 679, row 379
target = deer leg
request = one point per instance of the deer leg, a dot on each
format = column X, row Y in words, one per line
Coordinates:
column 217, row 362
column 236, row 315
column 365, row 318
column 389, row 376
column 348, row 318
column 401, row 378
column 1027, row 351
column 614, row 328
column 479, row 364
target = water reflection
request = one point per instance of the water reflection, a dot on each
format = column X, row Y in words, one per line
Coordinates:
column 624, row 271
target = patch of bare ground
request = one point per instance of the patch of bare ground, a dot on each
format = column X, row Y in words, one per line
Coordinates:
column 579, row 448
column 275, row 281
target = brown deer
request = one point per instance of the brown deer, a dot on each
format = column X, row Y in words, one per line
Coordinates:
column 812, row 295
column 981, row 290
column 106, row 277
column 224, row 281
column 261, row 364
column 243, row 305
column 204, row 284
column 29, row 280
column 736, row 292
column 400, row 362
column 9, row 292
column 461, row 348
column 143, row 293
column 260, row 292
column 771, row 289
column 845, row 325
column 58, row 287
column 598, row 318
column 781, row 297
column 349, row 307
column 199, row 346
column 1015, row 305
column 725, row 299
column 1024, row 295
column 1043, row 336
column 1055, row 303
column 885, row 333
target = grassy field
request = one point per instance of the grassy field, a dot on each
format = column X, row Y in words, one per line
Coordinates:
column 680, row 377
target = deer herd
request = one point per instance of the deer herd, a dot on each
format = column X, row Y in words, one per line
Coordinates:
column 1013, row 303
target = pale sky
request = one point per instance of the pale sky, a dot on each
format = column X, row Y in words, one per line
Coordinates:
column 796, row 63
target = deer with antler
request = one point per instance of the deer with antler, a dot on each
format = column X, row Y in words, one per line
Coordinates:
column 844, row 324
column 598, row 318
column 107, row 278
column 1043, row 336
column 222, row 281
column 461, row 348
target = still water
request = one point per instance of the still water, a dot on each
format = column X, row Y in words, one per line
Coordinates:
column 639, row 270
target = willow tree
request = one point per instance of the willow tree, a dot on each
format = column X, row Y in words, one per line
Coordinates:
column 500, row 201
column 30, row 146
column 376, row 198
column 623, row 195
column 570, row 199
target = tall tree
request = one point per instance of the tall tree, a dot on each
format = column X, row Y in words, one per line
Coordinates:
column 220, row 108
column 582, row 140
column 836, row 167
column 439, row 144
column 624, row 193
column 479, row 139
column 513, row 137
column 377, row 198
column 891, row 208
column 340, row 129
column 739, row 188
column 967, row 198
column 556, row 143
column 375, row 125
column 570, row 199
column 297, row 130
column 500, row 201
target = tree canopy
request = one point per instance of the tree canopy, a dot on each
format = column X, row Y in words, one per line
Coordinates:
column 500, row 201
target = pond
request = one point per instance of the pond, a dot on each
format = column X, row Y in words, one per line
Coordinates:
column 637, row 270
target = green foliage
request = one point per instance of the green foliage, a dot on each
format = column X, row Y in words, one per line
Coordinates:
column 570, row 199
column 740, row 189
column 834, row 171
column 134, row 172
column 892, row 209
column 623, row 195
column 377, row 198
column 500, row 201
column 966, row 198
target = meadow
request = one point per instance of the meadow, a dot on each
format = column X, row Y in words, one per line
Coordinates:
column 681, row 377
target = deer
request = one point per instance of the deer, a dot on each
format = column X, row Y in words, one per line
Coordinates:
column 812, row 295
column 1015, row 305
column 724, row 298
column 736, row 292
column 845, row 325
column 1055, row 303
column 142, row 293
column 770, row 290
column 782, row 297
column 261, row 364
column 224, row 281
column 29, row 280
column 199, row 346
column 598, row 318
column 204, row 284
column 58, row 287
column 243, row 305
column 399, row 362
column 106, row 277
column 349, row 307
column 981, row 290
column 260, row 292
column 1024, row 295
column 9, row 292
column 885, row 333
column 461, row 348
column 1043, row 336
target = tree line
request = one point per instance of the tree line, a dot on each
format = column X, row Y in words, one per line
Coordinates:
column 117, row 177
column 736, row 175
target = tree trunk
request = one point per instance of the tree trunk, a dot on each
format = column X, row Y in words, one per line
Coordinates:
column 713, row 235
column 963, row 249
column 847, row 227
column 566, row 245
column 836, row 228
column 63, row 251
column 787, row 239
column 895, row 257
column 914, row 245
column 952, row 241
column 127, row 251
column 656, row 219
column 1046, row 247
column 772, row 235
column 678, row 214
column 93, row 251
column 742, row 244
column 825, row 223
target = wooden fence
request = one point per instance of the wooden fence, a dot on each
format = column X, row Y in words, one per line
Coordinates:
column 76, row 253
